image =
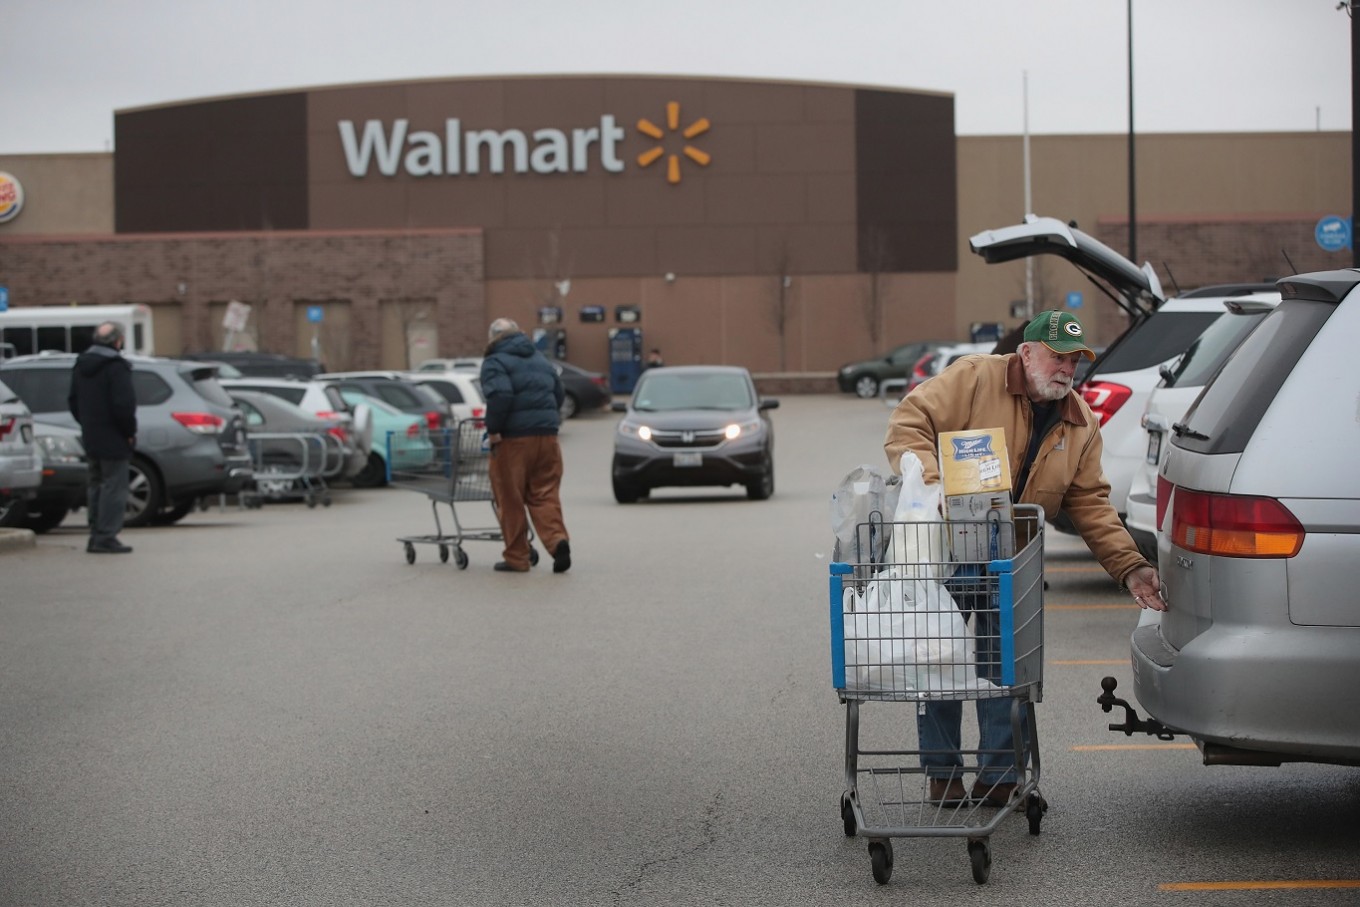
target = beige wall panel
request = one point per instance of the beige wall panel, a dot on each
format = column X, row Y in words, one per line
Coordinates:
column 647, row 200
column 573, row 253
column 480, row 201
column 806, row 249
column 553, row 202
column 694, row 250
column 331, row 339
column 63, row 193
column 804, row 148
column 773, row 198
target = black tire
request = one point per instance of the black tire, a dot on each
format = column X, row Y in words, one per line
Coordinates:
column 762, row 488
column 174, row 513
column 13, row 511
column 373, row 475
column 866, row 386
column 1035, row 808
column 443, row 554
column 848, row 817
column 625, row 492
column 533, row 556
column 881, row 860
column 980, row 857
column 45, row 517
column 410, row 553
column 460, row 558
column 570, row 407
column 146, row 494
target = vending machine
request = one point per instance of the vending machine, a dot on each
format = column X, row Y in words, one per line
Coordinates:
column 551, row 342
column 625, row 359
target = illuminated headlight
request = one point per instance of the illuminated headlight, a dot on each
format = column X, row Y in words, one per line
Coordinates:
column 737, row 429
column 642, row 432
column 60, row 449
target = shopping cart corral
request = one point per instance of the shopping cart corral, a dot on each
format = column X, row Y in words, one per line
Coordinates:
column 456, row 471
column 923, row 613
column 293, row 466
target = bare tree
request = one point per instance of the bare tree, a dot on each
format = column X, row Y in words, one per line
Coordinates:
column 782, row 301
column 874, row 261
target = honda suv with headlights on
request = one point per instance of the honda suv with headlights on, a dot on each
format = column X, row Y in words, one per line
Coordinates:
column 694, row 425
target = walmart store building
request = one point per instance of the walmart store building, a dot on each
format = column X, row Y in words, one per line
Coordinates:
column 788, row 227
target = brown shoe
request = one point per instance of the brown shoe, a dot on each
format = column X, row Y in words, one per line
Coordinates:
column 947, row 791
column 999, row 794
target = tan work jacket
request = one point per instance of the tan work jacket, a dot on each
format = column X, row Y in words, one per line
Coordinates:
column 989, row 392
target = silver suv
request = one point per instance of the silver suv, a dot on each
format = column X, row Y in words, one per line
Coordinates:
column 1258, row 509
column 191, row 440
column 20, row 462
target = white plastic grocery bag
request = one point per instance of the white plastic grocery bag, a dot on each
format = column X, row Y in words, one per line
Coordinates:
column 863, row 497
column 919, row 538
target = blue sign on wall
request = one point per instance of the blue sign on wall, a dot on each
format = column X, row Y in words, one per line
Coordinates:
column 1333, row 233
column 1074, row 299
column 4, row 299
column 314, row 313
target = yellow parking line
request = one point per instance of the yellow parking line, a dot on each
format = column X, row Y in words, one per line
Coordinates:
column 1090, row 661
column 1259, row 886
column 1104, row 747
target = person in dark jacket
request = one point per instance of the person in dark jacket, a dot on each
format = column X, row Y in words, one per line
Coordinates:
column 523, row 396
column 102, row 401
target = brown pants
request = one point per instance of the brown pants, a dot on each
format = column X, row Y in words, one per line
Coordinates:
column 526, row 474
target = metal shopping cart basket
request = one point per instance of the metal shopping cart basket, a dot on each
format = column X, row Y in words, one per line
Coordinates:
column 292, row 466
column 450, row 467
column 939, row 613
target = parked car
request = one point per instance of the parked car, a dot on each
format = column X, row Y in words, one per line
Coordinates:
column 322, row 401
column 471, row 364
column 585, row 391
column 191, row 440
column 1258, row 504
column 694, row 425
column 333, row 454
column 396, row 389
column 20, row 461
column 460, row 389
column 252, row 364
column 401, row 440
column 863, row 378
column 65, row 477
column 1167, row 402
column 1117, row 384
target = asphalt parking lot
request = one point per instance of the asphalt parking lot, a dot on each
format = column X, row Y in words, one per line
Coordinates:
column 266, row 707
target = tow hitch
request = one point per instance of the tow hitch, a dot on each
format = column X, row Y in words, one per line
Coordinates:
column 1132, row 723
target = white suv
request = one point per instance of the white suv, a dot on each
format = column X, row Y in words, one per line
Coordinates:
column 1118, row 384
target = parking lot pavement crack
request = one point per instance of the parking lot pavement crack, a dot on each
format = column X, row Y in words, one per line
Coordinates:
column 707, row 834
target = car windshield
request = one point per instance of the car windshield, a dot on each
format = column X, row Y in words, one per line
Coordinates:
column 1155, row 340
column 1211, row 349
column 663, row 392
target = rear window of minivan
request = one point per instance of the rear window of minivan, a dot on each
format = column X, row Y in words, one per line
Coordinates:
column 1225, row 415
column 1164, row 335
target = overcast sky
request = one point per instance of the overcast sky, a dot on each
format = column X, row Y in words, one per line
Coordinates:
column 1199, row 65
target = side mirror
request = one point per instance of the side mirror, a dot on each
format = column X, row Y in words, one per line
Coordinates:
column 619, row 406
column 768, row 403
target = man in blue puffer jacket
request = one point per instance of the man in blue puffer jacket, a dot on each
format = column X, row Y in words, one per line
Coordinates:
column 523, row 396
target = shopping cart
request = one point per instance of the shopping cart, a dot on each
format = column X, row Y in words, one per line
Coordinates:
column 292, row 466
column 453, row 469
column 902, row 631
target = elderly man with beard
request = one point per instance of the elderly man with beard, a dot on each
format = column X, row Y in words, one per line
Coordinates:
column 1053, row 441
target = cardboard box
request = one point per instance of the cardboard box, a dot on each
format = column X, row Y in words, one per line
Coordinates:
column 981, row 526
column 974, row 461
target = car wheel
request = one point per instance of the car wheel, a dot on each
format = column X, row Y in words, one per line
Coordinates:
column 145, row 494
column 570, row 407
column 45, row 517
column 373, row 475
column 174, row 513
column 13, row 511
column 762, row 488
column 625, row 492
column 866, row 386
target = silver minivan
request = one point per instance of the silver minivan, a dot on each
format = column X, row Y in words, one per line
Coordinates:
column 1258, row 507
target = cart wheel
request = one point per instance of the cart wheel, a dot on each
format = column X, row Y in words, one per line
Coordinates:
column 443, row 554
column 533, row 557
column 311, row 502
column 980, row 855
column 410, row 553
column 460, row 558
column 1034, row 811
column 326, row 501
column 881, row 858
column 848, row 816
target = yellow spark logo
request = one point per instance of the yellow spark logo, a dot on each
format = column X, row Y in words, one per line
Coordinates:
column 698, row 127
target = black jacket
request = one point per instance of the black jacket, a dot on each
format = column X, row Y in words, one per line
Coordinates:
column 104, row 404
column 522, row 389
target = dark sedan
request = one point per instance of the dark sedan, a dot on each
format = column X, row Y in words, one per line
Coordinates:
column 694, row 425
column 864, row 378
column 64, row 477
column 586, row 391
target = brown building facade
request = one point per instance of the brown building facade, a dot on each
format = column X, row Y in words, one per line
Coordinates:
column 787, row 227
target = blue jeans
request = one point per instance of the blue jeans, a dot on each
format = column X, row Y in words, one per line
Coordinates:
column 938, row 724
column 106, row 497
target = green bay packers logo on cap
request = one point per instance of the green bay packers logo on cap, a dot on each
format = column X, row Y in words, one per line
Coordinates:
column 1073, row 328
column 11, row 198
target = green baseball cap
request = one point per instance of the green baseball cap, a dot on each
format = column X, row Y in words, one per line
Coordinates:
column 1059, row 331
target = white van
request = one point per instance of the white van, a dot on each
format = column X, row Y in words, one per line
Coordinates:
column 69, row 329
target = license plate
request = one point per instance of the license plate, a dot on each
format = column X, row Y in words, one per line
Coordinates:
column 688, row 458
column 1154, row 451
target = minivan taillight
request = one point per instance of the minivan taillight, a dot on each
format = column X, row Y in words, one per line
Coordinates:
column 200, row 423
column 7, row 426
column 1104, row 398
column 1232, row 525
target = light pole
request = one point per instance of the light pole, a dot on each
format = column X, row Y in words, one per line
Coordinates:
column 1133, row 193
